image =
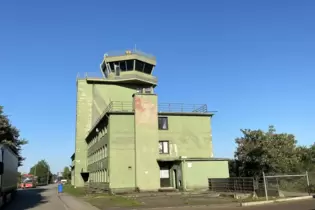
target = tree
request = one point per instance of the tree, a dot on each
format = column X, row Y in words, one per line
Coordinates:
column 42, row 170
column 10, row 136
column 306, row 157
column 269, row 152
column 66, row 173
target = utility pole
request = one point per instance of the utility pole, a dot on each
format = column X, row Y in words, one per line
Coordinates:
column 48, row 177
column 35, row 170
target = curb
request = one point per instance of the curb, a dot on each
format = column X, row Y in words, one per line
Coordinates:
column 276, row 201
column 189, row 206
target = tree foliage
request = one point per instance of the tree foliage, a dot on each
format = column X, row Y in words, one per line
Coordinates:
column 42, row 170
column 270, row 152
column 10, row 136
column 66, row 173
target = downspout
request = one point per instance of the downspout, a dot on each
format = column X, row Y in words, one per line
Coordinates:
column 135, row 141
column 183, row 174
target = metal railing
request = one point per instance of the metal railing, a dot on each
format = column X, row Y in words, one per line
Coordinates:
column 233, row 184
column 148, row 78
column 91, row 75
column 99, row 76
column 127, row 106
column 184, row 108
column 133, row 51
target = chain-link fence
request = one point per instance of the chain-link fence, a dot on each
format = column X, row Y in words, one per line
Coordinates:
column 286, row 185
column 268, row 187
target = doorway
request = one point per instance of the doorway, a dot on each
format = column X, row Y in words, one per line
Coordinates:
column 175, row 179
column 170, row 174
column 165, row 178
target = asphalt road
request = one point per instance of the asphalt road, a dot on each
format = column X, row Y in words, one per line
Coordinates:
column 40, row 198
column 45, row 198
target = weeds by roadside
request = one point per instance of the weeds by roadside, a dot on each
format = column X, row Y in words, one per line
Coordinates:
column 101, row 200
column 78, row 192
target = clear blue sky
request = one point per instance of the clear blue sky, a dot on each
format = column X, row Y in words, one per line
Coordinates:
column 252, row 61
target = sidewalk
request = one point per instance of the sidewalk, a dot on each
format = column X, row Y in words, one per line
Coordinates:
column 72, row 203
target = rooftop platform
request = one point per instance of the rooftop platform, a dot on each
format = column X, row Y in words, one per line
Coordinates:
column 163, row 108
column 127, row 78
column 129, row 55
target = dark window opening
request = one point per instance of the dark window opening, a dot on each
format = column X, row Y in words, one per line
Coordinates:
column 148, row 90
column 103, row 67
column 139, row 66
column 163, row 147
column 112, row 66
column 130, row 65
column 148, row 68
column 123, row 65
column 163, row 123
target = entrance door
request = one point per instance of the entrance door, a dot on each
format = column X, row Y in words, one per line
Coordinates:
column 165, row 180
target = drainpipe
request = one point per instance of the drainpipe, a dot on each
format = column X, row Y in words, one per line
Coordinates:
column 183, row 172
column 135, row 141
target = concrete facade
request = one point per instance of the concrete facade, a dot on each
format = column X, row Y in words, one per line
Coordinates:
column 129, row 141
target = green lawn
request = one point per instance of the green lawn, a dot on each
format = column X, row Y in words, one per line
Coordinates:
column 103, row 200
column 78, row 192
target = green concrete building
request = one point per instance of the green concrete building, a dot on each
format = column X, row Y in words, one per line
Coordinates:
column 126, row 140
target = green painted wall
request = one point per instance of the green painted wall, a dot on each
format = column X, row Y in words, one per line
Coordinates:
column 196, row 173
column 92, row 99
column 121, row 151
column 83, row 125
column 146, row 142
column 188, row 136
column 104, row 93
column 132, row 140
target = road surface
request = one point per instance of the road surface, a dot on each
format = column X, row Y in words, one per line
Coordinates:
column 46, row 198
column 40, row 198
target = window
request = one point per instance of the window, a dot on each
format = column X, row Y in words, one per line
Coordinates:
column 163, row 147
column 163, row 123
column 147, row 68
column 139, row 66
column 148, row 90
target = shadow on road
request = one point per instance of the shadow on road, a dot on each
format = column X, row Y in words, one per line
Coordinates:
column 26, row 199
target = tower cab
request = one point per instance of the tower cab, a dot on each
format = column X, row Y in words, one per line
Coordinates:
column 130, row 67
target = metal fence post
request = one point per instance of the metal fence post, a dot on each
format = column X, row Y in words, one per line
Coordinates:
column 265, row 186
column 308, row 183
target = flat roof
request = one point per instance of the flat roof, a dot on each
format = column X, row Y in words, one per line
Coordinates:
column 191, row 159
